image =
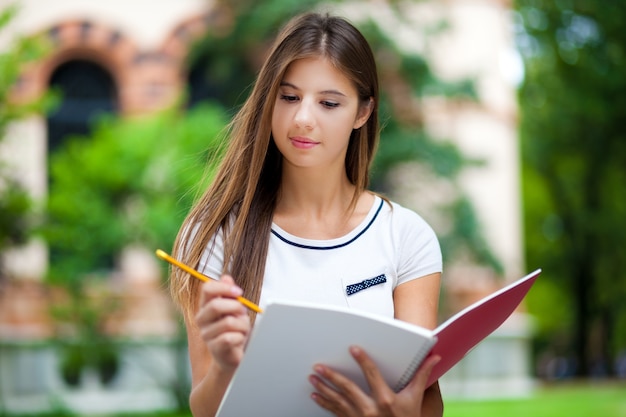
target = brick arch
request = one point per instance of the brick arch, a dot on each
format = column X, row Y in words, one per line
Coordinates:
column 146, row 81
column 78, row 39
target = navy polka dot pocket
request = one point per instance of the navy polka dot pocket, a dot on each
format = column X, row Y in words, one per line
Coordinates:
column 360, row 286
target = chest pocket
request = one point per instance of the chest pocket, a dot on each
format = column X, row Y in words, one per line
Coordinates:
column 372, row 294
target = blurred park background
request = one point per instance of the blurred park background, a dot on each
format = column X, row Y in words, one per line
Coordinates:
column 503, row 127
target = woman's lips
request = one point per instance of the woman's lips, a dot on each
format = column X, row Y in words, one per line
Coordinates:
column 303, row 143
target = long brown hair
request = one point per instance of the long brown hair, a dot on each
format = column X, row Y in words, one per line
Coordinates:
column 241, row 199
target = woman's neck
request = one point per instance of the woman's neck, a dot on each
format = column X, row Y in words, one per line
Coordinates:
column 317, row 207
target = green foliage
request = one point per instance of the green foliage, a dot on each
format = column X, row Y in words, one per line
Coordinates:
column 16, row 207
column 99, row 356
column 128, row 184
column 12, row 61
column 21, row 52
column 573, row 106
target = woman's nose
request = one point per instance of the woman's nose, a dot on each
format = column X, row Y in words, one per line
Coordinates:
column 304, row 116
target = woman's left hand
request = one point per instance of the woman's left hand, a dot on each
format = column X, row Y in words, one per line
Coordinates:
column 344, row 398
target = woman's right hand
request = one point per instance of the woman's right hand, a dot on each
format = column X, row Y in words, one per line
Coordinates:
column 223, row 322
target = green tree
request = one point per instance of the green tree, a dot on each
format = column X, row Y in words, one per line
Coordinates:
column 136, row 183
column 16, row 205
column 573, row 107
column 229, row 60
column 130, row 183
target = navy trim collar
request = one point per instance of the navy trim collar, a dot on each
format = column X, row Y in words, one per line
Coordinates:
column 380, row 206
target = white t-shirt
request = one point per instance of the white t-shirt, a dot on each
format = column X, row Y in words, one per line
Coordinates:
column 391, row 246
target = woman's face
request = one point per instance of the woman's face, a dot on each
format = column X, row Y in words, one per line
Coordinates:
column 315, row 111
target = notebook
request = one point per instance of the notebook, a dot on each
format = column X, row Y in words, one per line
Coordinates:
column 272, row 378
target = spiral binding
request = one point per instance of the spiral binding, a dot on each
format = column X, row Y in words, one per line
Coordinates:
column 412, row 368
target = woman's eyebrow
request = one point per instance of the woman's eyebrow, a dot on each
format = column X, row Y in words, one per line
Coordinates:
column 332, row 92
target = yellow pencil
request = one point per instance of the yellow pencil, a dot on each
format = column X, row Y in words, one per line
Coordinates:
column 161, row 254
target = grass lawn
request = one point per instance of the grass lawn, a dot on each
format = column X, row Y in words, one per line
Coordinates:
column 571, row 400
column 584, row 399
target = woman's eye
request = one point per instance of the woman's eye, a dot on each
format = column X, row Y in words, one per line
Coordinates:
column 330, row 104
column 288, row 98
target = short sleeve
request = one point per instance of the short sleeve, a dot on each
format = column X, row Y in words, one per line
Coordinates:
column 419, row 250
column 212, row 259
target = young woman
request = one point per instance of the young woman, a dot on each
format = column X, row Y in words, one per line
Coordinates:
column 288, row 215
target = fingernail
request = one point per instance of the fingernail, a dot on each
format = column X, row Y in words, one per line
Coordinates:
column 319, row 369
column 434, row 361
column 355, row 350
column 236, row 291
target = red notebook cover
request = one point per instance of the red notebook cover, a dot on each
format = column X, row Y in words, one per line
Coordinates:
column 463, row 331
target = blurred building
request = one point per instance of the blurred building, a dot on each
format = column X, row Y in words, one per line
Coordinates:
column 129, row 57
column 122, row 57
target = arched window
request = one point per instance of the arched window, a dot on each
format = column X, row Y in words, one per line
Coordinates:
column 200, row 87
column 226, row 81
column 88, row 91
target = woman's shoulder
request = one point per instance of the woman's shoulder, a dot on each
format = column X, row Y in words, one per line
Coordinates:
column 404, row 223
column 399, row 213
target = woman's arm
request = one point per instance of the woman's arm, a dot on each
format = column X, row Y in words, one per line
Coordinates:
column 216, row 339
column 417, row 302
column 208, row 383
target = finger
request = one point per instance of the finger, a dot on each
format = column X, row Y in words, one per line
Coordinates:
column 218, row 308
column 221, row 313
column 227, row 349
column 226, row 336
column 380, row 391
column 341, row 389
column 212, row 322
column 328, row 398
column 228, row 280
column 225, row 287
column 226, row 346
column 374, row 378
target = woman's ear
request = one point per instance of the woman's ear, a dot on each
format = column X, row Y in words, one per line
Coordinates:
column 365, row 111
